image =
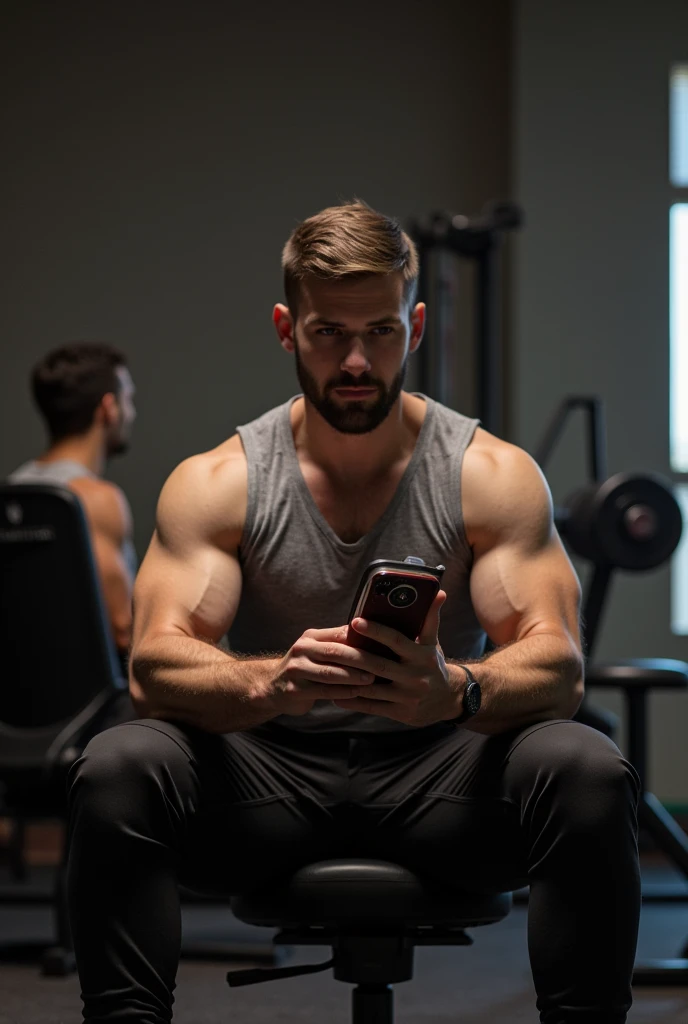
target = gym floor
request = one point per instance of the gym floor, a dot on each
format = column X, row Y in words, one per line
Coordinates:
column 487, row 983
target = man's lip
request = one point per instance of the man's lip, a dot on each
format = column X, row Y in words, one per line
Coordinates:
column 358, row 391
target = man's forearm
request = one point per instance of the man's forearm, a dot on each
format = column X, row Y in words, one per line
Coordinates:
column 188, row 679
column 534, row 679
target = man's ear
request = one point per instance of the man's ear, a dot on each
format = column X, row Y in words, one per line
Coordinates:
column 107, row 410
column 417, row 318
column 284, row 325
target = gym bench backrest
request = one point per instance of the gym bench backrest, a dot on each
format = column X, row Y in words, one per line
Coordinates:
column 58, row 664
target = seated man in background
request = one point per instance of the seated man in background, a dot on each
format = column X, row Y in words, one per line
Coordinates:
column 295, row 746
column 85, row 394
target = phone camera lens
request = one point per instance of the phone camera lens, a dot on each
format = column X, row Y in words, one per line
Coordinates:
column 403, row 596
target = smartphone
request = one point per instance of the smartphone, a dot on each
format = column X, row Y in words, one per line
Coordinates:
column 395, row 594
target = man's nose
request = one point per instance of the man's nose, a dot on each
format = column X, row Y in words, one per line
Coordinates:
column 356, row 361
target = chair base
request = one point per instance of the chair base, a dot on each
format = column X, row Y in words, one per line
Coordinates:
column 221, row 952
column 364, row 959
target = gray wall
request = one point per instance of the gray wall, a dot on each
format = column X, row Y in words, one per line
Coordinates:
column 591, row 282
column 160, row 158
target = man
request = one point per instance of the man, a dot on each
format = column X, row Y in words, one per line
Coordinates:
column 85, row 394
column 246, row 764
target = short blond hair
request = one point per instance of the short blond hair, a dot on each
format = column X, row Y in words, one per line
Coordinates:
column 348, row 241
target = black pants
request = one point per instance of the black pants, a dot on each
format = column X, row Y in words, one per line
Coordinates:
column 553, row 806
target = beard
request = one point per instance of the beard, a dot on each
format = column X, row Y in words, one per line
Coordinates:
column 117, row 446
column 118, row 439
column 352, row 417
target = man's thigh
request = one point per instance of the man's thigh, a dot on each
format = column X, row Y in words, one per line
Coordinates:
column 440, row 809
column 431, row 799
column 269, row 816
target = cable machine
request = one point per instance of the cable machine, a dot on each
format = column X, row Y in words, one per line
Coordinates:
column 478, row 239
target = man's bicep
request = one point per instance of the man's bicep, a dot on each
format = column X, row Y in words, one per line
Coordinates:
column 193, row 593
column 517, row 591
column 190, row 581
column 522, row 580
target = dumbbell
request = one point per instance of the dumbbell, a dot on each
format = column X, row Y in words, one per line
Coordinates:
column 630, row 521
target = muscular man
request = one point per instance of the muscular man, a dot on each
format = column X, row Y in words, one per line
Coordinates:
column 248, row 763
column 85, row 394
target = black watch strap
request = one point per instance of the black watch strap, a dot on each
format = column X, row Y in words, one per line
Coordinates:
column 470, row 706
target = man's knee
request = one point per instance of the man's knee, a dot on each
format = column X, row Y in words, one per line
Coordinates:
column 124, row 768
column 577, row 762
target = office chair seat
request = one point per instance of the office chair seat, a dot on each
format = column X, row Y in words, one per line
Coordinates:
column 353, row 891
column 373, row 914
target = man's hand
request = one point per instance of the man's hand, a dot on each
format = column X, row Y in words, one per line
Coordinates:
column 319, row 666
column 419, row 691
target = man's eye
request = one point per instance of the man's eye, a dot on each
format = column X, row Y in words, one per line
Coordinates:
column 382, row 330
column 327, row 332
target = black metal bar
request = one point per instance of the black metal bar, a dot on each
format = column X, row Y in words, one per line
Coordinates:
column 593, row 407
column 665, row 830
column 258, row 975
column 553, row 432
column 661, row 973
column 17, row 849
column 423, row 357
column 476, row 238
column 597, row 439
column 488, row 343
column 636, row 705
column 594, row 602
column 60, row 908
column 445, row 332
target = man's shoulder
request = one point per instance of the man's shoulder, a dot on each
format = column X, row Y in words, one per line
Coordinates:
column 489, row 454
column 105, row 504
column 208, row 490
column 217, row 468
column 499, row 480
column 23, row 474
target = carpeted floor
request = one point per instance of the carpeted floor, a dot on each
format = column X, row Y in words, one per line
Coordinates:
column 487, row 983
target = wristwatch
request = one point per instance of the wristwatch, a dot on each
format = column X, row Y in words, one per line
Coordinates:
column 471, row 698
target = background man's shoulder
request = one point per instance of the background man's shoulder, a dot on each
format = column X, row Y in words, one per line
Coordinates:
column 105, row 504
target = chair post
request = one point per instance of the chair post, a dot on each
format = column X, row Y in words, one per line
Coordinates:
column 372, row 1004
column 636, row 703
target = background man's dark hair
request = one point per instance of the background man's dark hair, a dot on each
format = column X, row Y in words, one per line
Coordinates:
column 69, row 383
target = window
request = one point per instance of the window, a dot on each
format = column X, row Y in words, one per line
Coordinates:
column 678, row 327
column 678, row 126
column 678, row 318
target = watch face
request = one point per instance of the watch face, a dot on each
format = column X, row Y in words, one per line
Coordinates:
column 472, row 698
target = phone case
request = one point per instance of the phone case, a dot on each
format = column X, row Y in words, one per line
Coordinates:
column 385, row 577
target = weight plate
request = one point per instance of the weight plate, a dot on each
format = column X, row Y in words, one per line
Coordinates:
column 645, row 499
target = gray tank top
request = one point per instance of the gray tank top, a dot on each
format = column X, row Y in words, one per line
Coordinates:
column 298, row 574
column 61, row 472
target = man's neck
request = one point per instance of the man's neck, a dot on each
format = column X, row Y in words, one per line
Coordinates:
column 357, row 458
column 86, row 449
